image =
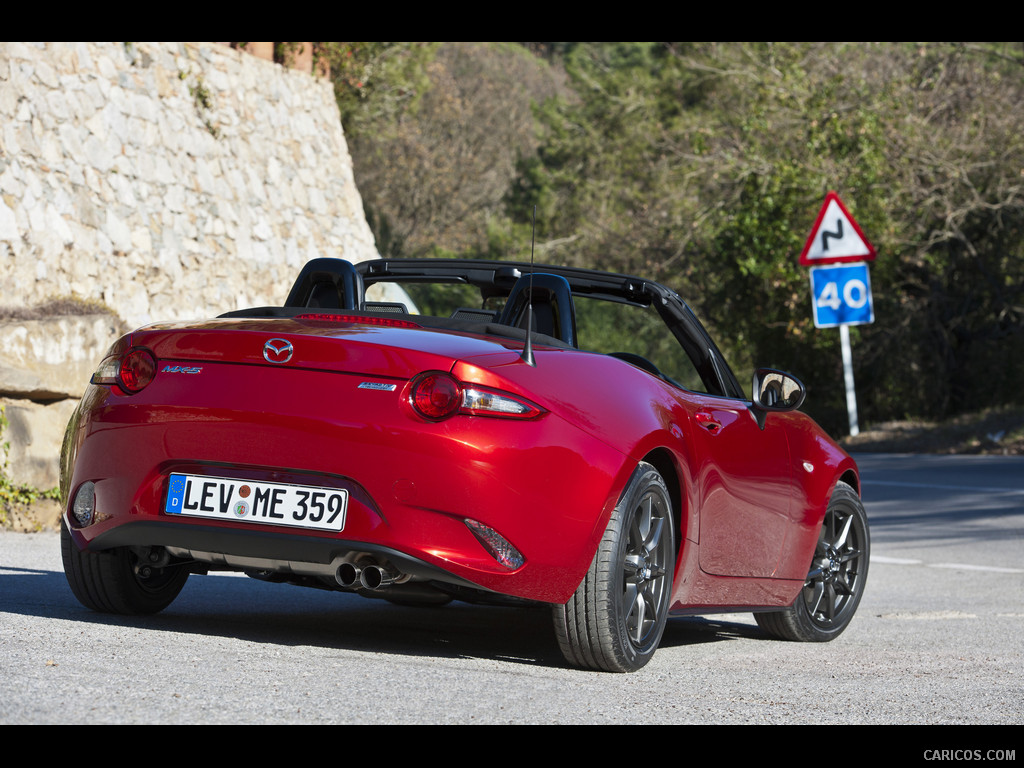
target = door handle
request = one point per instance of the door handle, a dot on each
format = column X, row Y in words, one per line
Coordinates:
column 709, row 422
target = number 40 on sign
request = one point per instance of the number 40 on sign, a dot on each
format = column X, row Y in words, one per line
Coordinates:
column 842, row 295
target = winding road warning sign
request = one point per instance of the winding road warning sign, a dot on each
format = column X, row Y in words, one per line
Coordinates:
column 835, row 237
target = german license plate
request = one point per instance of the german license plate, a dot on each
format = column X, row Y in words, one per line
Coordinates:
column 223, row 498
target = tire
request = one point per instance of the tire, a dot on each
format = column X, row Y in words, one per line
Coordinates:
column 110, row 581
column 616, row 617
column 836, row 579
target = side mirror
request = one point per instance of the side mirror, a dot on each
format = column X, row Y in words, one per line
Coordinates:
column 775, row 391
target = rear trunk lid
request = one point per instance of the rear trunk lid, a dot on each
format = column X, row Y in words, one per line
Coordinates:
column 310, row 344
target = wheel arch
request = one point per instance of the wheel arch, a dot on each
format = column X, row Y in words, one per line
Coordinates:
column 662, row 460
column 851, row 479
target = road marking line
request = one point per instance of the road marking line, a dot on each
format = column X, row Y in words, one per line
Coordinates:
column 960, row 566
column 894, row 560
column 966, row 567
column 977, row 488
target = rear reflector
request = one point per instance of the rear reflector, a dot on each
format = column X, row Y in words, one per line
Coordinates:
column 83, row 508
column 496, row 545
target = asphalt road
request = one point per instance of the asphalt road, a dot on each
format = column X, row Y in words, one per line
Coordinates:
column 937, row 640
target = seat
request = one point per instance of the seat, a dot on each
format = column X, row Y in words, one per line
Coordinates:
column 327, row 283
column 554, row 313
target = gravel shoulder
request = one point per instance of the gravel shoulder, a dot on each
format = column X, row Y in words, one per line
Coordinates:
column 997, row 431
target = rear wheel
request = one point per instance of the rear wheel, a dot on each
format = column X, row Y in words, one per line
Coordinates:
column 835, row 581
column 118, row 580
column 615, row 619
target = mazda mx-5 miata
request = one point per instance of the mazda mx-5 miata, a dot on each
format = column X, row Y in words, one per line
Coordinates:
column 501, row 432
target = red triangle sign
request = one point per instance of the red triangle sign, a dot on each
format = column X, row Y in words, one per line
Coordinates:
column 835, row 237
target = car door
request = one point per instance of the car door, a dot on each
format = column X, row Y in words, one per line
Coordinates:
column 743, row 478
column 741, row 473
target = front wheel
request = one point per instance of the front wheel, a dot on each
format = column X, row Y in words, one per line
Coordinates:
column 835, row 581
column 616, row 617
column 117, row 580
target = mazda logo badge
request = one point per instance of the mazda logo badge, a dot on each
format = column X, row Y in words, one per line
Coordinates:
column 278, row 351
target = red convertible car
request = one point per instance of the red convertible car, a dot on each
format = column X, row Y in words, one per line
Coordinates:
column 501, row 433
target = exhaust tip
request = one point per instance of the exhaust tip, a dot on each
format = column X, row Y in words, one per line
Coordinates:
column 372, row 577
column 347, row 575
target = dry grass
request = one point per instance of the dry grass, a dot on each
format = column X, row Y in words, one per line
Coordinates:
column 60, row 306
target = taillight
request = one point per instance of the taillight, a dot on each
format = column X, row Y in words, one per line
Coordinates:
column 479, row 401
column 138, row 368
column 437, row 395
column 133, row 371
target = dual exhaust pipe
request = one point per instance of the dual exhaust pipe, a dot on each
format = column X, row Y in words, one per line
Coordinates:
column 351, row 576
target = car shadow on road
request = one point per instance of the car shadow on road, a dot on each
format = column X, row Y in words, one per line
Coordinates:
column 694, row 630
column 257, row 612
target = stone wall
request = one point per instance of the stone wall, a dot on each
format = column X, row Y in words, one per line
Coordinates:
column 166, row 180
column 169, row 180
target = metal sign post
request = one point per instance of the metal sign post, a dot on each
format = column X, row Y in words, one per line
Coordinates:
column 851, row 394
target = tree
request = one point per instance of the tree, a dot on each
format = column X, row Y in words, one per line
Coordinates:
column 434, row 170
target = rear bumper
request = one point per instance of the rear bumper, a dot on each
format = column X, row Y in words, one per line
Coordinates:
column 259, row 550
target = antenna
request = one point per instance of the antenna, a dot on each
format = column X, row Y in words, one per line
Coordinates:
column 527, row 355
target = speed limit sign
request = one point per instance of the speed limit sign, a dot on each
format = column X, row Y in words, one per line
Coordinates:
column 841, row 294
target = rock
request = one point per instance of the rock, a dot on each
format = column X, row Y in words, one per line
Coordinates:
column 53, row 358
column 124, row 152
column 35, row 432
